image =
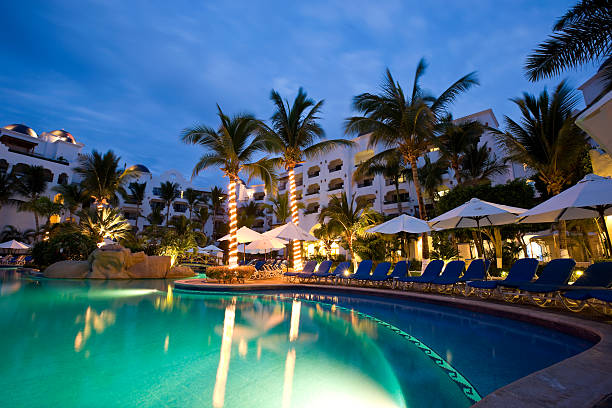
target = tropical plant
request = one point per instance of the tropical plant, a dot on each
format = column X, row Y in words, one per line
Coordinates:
column 280, row 207
column 102, row 178
column 327, row 234
column 7, row 187
column 47, row 208
column 73, row 196
column 431, row 176
column 61, row 247
column 31, row 184
column 583, row 35
column 217, row 197
column 371, row 246
column 479, row 165
column 546, row 139
column 11, row 232
column 155, row 217
column 201, row 217
column 349, row 216
column 405, row 122
column 389, row 164
column 136, row 195
column 168, row 192
column 443, row 247
column 454, row 139
column 104, row 223
column 193, row 198
column 247, row 214
column 293, row 134
column 232, row 148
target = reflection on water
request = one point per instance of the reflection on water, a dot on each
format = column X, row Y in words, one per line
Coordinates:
column 75, row 343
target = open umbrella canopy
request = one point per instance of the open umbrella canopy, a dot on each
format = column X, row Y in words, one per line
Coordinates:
column 12, row 244
column 591, row 197
column 210, row 248
column 291, row 232
column 402, row 223
column 476, row 213
column 244, row 235
column 267, row 243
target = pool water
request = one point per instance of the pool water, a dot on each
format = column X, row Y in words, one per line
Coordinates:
column 134, row 343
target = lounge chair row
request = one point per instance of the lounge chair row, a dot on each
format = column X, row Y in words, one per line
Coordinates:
column 10, row 260
column 551, row 287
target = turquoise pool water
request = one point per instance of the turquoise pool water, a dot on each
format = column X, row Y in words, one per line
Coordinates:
column 95, row 344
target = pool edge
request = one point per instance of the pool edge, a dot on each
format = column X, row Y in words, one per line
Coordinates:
column 578, row 381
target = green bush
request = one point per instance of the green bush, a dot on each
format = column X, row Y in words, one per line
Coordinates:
column 63, row 247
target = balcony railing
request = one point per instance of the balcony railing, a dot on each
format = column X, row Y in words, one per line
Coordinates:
column 365, row 183
column 313, row 174
column 309, row 193
column 335, row 168
column 38, row 156
column 336, row 187
column 312, row 211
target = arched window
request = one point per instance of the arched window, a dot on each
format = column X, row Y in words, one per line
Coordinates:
column 48, row 175
column 62, row 179
column 20, row 168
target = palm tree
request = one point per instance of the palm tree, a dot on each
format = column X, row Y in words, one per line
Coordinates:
column 156, row 217
column 479, row 165
column 73, row 196
column 349, row 216
column 31, row 185
column 431, row 176
column 193, row 198
column 583, row 35
column 280, row 207
column 103, row 223
column 293, row 134
column 389, row 164
column 405, row 122
column 102, row 178
column 327, row 234
column 168, row 192
column 217, row 197
column 247, row 214
column 202, row 216
column 232, row 148
column 7, row 187
column 11, row 232
column 453, row 140
column 546, row 139
column 47, row 208
column 137, row 195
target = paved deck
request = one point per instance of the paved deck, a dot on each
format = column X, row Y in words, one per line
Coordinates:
column 579, row 381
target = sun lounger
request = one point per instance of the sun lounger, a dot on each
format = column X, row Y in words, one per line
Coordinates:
column 449, row 277
column 309, row 267
column 362, row 273
column 554, row 276
column 380, row 274
column 431, row 272
column 521, row 272
column 594, row 281
column 321, row 272
column 338, row 273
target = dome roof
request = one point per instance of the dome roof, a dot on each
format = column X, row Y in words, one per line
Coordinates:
column 139, row 167
column 65, row 136
column 19, row 128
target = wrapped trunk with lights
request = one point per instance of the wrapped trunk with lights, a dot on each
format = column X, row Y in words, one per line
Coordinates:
column 297, row 251
column 233, row 224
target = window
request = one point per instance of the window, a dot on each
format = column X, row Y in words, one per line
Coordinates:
column 62, row 179
column 157, row 191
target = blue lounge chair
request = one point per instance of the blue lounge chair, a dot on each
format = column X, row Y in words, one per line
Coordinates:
column 400, row 270
column 381, row 273
column 431, row 272
column 309, row 267
column 591, row 285
column 476, row 270
column 521, row 272
column 323, row 271
column 339, row 272
column 449, row 277
column 362, row 273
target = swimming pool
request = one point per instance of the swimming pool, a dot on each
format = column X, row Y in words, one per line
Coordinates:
column 115, row 343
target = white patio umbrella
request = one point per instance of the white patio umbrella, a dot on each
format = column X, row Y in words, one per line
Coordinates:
column 244, row 235
column 475, row 214
column 210, row 248
column 265, row 244
column 402, row 223
column 14, row 245
column 291, row 232
column 591, row 197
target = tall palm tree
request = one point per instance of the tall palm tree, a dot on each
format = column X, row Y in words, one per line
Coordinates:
column 405, row 122
column 193, row 198
column 11, row 232
column 137, row 194
column 73, row 195
column 479, row 165
column 201, row 217
column 327, row 234
column 156, row 217
column 389, row 164
column 454, row 139
column 217, row 197
column 31, row 185
column 280, row 207
column 247, row 214
column 105, row 222
column 168, row 192
column 102, row 178
column 294, row 133
column 349, row 216
column 546, row 139
column 431, row 176
column 7, row 187
column 232, row 147
column 582, row 35
column 47, row 208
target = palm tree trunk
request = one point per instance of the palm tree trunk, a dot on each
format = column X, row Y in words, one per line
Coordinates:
column 167, row 213
column 455, row 165
column 422, row 212
column 297, row 252
column 233, row 223
column 399, row 202
column 137, row 215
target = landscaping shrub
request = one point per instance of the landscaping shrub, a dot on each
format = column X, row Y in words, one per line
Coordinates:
column 63, row 247
column 225, row 274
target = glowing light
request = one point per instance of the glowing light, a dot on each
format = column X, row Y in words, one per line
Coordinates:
column 224, row 358
column 242, row 348
column 297, row 252
column 169, row 295
column 233, row 225
column 579, row 273
column 296, row 307
column 288, row 384
column 166, row 343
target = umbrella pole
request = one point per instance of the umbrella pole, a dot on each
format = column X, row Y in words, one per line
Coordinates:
column 480, row 238
column 601, row 210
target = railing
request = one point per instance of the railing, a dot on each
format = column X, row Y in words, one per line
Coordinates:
column 334, row 188
column 336, row 168
column 313, row 174
column 309, row 193
column 38, row 156
column 365, row 183
column 312, row 211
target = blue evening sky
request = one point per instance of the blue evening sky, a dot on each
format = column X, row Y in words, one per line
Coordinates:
column 128, row 75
